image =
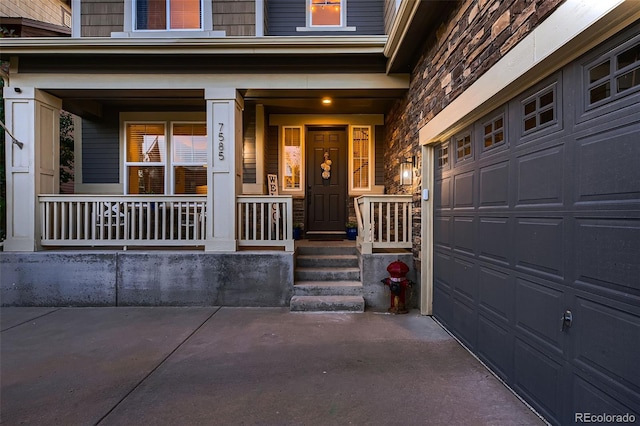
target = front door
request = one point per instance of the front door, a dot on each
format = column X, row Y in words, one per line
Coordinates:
column 326, row 179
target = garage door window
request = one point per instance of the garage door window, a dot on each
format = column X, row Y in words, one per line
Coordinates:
column 464, row 149
column 614, row 75
column 539, row 110
column 443, row 156
column 494, row 133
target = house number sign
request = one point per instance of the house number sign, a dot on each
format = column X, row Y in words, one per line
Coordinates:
column 221, row 142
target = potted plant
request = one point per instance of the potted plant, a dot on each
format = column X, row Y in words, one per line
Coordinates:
column 352, row 230
column 297, row 230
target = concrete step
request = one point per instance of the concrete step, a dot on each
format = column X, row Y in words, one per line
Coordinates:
column 319, row 248
column 327, row 274
column 327, row 304
column 328, row 288
column 327, row 260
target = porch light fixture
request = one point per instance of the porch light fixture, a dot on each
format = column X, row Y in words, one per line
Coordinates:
column 326, row 101
column 406, row 171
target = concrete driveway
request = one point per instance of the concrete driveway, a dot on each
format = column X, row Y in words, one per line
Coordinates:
column 267, row 366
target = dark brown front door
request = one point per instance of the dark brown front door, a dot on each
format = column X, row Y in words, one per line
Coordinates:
column 326, row 195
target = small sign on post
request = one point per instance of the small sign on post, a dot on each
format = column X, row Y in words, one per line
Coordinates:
column 273, row 190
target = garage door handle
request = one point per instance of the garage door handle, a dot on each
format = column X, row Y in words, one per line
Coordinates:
column 566, row 319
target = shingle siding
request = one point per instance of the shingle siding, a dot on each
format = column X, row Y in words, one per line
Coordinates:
column 98, row 18
column 236, row 17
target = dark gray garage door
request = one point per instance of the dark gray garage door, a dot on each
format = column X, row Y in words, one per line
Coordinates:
column 538, row 218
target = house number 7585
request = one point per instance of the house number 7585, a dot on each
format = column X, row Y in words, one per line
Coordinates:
column 221, row 142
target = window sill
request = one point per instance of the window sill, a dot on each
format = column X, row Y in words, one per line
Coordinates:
column 169, row 34
column 324, row 29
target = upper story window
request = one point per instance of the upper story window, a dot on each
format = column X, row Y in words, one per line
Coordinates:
column 326, row 12
column 168, row 14
column 614, row 75
column 326, row 15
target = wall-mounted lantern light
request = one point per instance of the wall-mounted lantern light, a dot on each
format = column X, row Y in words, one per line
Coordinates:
column 406, row 171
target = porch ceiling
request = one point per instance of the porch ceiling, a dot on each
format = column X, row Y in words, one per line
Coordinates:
column 353, row 101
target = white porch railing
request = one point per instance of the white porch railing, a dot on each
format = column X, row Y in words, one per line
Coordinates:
column 265, row 221
column 122, row 220
column 384, row 221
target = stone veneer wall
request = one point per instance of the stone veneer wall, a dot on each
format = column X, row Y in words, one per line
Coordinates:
column 474, row 36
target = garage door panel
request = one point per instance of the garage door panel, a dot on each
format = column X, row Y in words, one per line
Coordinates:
column 538, row 377
column 463, row 190
column 442, row 199
column 539, row 246
column 443, row 268
column 465, row 280
column 495, row 346
column 465, row 322
column 538, row 309
column 607, row 341
column 442, row 229
column 594, row 397
column 540, row 177
column 494, row 240
column 442, row 303
column 494, row 185
column 496, row 292
column 618, row 180
column 607, row 253
column 463, row 235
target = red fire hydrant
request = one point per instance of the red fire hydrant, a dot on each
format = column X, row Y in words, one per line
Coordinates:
column 398, row 284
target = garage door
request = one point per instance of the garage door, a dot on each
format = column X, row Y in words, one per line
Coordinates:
column 537, row 237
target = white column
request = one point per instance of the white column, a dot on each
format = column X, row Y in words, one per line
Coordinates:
column 33, row 117
column 224, row 165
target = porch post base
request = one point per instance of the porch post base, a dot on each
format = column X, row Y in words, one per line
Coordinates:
column 221, row 245
column 19, row 244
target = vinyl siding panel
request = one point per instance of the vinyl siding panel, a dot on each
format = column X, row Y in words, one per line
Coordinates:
column 100, row 150
column 284, row 16
column 249, row 145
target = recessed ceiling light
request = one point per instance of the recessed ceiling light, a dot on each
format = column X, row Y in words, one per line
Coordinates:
column 326, row 101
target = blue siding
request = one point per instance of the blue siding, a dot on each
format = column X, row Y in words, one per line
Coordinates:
column 284, row 16
column 100, row 150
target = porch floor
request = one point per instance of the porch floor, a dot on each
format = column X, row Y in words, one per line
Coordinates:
column 169, row 365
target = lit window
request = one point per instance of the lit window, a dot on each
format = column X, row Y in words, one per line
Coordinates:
column 148, row 168
column 326, row 13
column 292, row 147
column 361, row 157
column 168, row 14
column 189, row 143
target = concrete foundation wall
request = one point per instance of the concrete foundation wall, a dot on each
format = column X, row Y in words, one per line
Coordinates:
column 146, row 279
column 374, row 269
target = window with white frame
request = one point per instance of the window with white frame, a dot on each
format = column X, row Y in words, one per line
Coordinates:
column 292, row 155
column 168, row 14
column 148, row 167
column 361, row 157
column 326, row 13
